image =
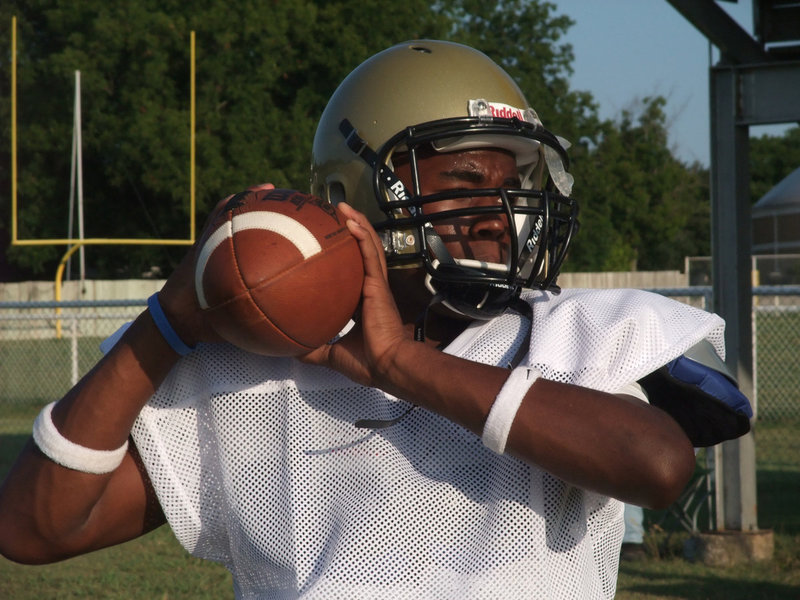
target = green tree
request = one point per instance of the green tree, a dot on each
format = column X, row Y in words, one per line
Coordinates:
column 772, row 157
column 641, row 207
column 264, row 73
column 526, row 39
column 134, row 131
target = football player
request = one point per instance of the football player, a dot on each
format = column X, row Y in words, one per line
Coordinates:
column 473, row 436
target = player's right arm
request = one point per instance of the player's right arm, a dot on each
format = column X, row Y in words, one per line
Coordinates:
column 49, row 512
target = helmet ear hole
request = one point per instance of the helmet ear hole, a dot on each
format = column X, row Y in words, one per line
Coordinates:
column 336, row 193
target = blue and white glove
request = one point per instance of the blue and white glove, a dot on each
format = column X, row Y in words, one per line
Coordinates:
column 704, row 401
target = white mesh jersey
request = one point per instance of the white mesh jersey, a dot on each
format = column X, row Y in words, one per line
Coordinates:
column 258, row 465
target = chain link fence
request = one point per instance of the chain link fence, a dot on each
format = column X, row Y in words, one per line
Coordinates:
column 45, row 347
column 776, row 381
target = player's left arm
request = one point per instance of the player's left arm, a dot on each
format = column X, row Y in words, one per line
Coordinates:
column 612, row 444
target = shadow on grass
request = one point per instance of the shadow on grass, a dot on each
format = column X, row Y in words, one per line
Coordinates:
column 778, row 493
column 701, row 583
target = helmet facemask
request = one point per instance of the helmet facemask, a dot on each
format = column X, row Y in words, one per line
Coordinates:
column 543, row 218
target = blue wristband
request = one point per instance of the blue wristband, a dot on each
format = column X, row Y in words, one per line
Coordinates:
column 165, row 328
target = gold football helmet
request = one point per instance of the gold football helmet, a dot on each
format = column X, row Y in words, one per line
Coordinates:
column 446, row 96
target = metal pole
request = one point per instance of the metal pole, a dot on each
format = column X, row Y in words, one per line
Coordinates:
column 73, row 163
column 192, row 134
column 13, row 130
column 731, row 249
column 79, row 164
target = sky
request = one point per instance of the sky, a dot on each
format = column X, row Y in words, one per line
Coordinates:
column 630, row 49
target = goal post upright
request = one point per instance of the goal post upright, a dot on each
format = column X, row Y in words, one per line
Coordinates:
column 13, row 130
column 192, row 136
column 70, row 241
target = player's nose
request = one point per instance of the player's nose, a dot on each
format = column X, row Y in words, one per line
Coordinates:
column 490, row 227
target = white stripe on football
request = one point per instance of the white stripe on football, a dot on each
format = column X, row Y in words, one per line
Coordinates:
column 295, row 232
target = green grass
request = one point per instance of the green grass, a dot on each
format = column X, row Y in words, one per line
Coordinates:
column 778, row 443
column 156, row 567
column 777, row 363
column 672, row 577
column 33, row 373
column 33, row 370
column 151, row 567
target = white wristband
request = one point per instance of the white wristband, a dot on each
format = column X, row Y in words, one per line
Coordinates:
column 505, row 407
column 69, row 454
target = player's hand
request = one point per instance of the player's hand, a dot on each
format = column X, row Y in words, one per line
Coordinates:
column 365, row 354
column 178, row 297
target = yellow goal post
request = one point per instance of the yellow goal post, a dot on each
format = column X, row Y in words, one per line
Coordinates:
column 75, row 244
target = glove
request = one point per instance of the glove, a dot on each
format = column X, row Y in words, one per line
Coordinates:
column 706, row 403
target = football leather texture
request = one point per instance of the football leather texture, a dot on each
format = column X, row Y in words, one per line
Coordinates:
column 278, row 273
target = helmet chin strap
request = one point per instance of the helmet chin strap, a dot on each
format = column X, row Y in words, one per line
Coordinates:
column 381, row 423
column 422, row 319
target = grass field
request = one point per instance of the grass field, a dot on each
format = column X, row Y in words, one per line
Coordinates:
column 152, row 567
column 156, row 567
column 34, row 369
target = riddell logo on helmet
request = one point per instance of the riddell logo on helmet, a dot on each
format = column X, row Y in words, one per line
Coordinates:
column 498, row 110
column 399, row 190
column 503, row 111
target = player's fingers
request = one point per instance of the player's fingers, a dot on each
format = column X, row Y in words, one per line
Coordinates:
column 374, row 247
column 373, row 267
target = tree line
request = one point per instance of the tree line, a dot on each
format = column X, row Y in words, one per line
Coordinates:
column 264, row 73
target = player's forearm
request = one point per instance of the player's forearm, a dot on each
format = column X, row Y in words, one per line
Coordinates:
column 47, row 510
column 616, row 446
column 100, row 410
column 455, row 388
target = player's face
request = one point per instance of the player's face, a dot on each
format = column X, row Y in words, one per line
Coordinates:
column 484, row 237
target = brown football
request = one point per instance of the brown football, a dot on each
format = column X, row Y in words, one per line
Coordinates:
column 278, row 273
